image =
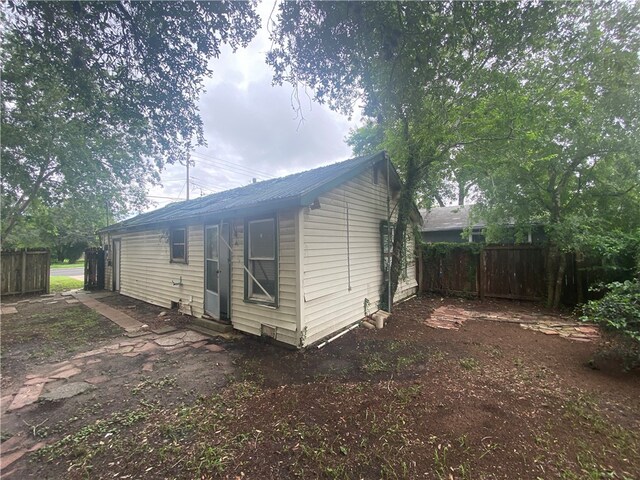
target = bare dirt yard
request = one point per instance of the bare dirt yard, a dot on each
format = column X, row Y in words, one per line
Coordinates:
column 488, row 400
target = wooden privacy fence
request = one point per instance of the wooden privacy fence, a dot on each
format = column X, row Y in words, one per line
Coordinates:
column 25, row 271
column 511, row 271
column 94, row 269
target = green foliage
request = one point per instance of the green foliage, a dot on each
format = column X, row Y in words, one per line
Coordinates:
column 98, row 96
column 619, row 310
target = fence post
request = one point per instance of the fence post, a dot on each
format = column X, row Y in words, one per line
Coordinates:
column 481, row 286
column 24, row 271
column 48, row 270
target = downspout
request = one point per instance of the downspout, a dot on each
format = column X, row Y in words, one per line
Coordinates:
column 389, row 235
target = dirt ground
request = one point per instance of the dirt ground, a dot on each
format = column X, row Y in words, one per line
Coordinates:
column 490, row 400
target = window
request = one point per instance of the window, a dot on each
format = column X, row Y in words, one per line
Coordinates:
column 261, row 275
column 178, row 245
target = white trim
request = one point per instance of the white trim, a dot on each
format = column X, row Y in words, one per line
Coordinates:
column 299, row 246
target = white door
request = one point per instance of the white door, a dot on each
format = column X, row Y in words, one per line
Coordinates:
column 212, row 271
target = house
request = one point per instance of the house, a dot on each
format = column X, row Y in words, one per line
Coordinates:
column 296, row 258
column 454, row 224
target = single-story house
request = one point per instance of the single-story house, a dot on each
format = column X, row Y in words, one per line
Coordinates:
column 454, row 224
column 296, row 258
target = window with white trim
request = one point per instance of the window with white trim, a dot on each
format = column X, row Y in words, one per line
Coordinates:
column 178, row 245
column 261, row 277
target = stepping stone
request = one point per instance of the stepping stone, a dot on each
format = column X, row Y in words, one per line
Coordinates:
column 33, row 381
column 178, row 349
column 67, row 390
column 139, row 333
column 26, row 396
column 97, row 380
column 214, row 348
column 5, row 402
column 90, row 353
column 147, row 347
column 124, row 350
column 131, row 354
column 66, row 373
column 191, row 337
column 168, row 341
column 48, row 295
column 147, row 367
column 37, row 446
column 94, row 360
column 8, row 459
column 8, row 310
column 165, row 329
column 51, row 303
column 12, row 444
column 72, row 301
column 198, row 344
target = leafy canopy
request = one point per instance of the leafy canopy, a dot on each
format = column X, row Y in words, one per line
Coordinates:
column 98, row 96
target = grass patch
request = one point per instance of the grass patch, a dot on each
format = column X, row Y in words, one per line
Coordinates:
column 55, row 266
column 469, row 363
column 62, row 284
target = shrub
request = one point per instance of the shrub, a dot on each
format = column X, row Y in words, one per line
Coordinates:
column 618, row 311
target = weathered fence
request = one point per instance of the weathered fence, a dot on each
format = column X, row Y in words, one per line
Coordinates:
column 94, row 269
column 25, row 271
column 511, row 271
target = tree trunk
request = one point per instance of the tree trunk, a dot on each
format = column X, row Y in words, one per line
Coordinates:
column 551, row 268
column 405, row 204
column 557, row 294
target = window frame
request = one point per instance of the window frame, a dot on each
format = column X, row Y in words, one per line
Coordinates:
column 185, row 244
column 249, row 296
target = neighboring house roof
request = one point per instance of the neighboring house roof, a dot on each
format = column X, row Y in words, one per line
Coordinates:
column 448, row 218
column 297, row 190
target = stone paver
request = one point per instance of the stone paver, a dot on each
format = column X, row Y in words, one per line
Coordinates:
column 179, row 349
column 72, row 301
column 131, row 354
column 191, row 336
column 116, row 316
column 67, row 390
column 33, row 381
column 66, row 373
column 168, row 341
column 165, row 329
column 147, row 347
column 5, row 310
column 147, row 367
column 9, row 458
column 90, row 353
column 26, row 396
column 199, row 344
column 96, row 380
column 5, row 402
column 214, row 348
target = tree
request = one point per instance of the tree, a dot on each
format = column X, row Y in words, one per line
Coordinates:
column 428, row 72
column 573, row 162
column 98, row 96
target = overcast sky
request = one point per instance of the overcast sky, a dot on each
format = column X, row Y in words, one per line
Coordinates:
column 251, row 128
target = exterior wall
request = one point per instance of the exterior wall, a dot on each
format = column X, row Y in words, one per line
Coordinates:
column 147, row 274
column 249, row 317
column 334, row 294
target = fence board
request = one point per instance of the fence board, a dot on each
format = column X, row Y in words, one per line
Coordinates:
column 24, row 271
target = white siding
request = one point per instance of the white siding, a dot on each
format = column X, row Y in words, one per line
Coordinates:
column 329, row 304
column 147, row 274
column 249, row 317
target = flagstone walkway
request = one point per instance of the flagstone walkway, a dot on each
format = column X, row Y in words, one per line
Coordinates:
column 452, row 318
column 100, row 368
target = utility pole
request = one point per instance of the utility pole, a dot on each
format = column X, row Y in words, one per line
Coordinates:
column 188, row 179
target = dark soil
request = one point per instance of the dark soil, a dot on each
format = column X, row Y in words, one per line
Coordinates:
column 491, row 400
column 152, row 315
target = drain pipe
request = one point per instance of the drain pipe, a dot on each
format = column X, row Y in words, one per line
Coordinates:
column 389, row 236
column 338, row 335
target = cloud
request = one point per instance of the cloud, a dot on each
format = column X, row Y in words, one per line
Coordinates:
column 251, row 128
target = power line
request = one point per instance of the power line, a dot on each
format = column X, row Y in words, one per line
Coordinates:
column 234, row 168
column 233, row 164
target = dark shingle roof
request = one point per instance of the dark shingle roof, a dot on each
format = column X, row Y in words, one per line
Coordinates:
column 448, row 218
column 299, row 189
